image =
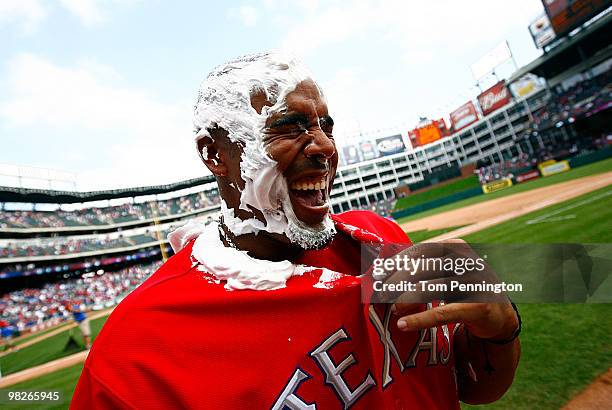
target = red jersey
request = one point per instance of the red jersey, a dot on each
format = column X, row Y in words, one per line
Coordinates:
column 181, row 340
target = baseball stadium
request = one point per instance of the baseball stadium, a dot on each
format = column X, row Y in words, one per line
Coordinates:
column 527, row 161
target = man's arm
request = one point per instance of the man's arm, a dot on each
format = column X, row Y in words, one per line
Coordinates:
column 485, row 367
column 487, row 349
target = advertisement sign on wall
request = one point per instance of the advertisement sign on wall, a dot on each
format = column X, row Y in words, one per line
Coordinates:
column 351, row 154
column 368, row 151
column 527, row 85
column 463, row 116
column 527, row 176
column 553, row 167
column 389, row 145
column 494, row 58
column 496, row 185
column 494, row 98
column 541, row 31
column 429, row 133
column 566, row 15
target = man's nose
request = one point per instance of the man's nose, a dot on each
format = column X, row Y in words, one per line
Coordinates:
column 320, row 145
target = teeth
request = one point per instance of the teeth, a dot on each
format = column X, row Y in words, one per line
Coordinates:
column 312, row 185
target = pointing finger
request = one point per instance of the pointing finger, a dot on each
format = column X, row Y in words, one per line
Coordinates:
column 440, row 315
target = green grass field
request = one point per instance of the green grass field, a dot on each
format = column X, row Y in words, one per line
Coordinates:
column 47, row 350
column 584, row 219
column 586, row 170
column 565, row 346
column 437, row 192
column 420, row 236
column 63, row 381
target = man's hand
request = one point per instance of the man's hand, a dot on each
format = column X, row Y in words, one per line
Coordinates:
column 495, row 321
column 485, row 370
column 485, row 314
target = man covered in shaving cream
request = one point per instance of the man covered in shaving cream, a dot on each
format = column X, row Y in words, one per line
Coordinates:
column 263, row 309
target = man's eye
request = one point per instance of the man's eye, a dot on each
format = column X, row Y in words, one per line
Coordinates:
column 328, row 130
column 294, row 131
column 276, row 133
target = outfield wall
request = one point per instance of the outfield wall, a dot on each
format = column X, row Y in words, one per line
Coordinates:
column 457, row 196
column 574, row 162
column 581, row 160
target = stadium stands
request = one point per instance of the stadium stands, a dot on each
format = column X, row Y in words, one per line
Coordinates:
column 28, row 308
column 383, row 207
column 508, row 168
column 95, row 217
column 585, row 98
column 61, row 245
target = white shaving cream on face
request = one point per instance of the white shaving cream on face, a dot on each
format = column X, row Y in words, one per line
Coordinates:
column 237, row 268
column 204, row 153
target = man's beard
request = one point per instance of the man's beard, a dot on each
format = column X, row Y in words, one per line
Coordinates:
column 307, row 237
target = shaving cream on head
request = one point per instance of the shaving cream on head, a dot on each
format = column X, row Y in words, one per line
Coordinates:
column 224, row 101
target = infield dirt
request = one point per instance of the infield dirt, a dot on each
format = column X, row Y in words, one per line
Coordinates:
column 484, row 214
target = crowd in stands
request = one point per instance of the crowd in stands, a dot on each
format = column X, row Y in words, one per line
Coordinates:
column 561, row 149
column 582, row 99
column 27, row 308
column 545, row 147
column 109, row 215
column 505, row 169
column 383, row 207
column 60, row 245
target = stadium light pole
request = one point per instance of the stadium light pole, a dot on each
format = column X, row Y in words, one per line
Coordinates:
column 157, row 231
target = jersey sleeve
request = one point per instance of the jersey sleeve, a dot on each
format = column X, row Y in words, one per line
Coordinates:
column 91, row 393
column 388, row 230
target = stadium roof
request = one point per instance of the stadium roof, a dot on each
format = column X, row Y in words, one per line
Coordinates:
column 591, row 41
column 47, row 196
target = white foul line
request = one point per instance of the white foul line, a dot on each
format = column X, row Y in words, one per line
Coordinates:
column 566, row 208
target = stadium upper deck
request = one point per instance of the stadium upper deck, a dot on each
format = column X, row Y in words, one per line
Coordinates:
column 110, row 216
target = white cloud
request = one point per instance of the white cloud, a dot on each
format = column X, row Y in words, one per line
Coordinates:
column 130, row 136
column 410, row 24
column 30, row 13
column 410, row 57
column 93, row 12
column 89, row 12
column 334, row 24
column 27, row 12
column 364, row 105
column 248, row 15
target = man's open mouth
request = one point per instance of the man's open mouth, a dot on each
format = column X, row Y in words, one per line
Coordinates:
column 309, row 198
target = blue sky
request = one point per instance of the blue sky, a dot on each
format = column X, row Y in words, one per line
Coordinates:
column 104, row 88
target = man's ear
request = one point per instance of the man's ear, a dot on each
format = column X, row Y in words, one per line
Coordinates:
column 213, row 156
